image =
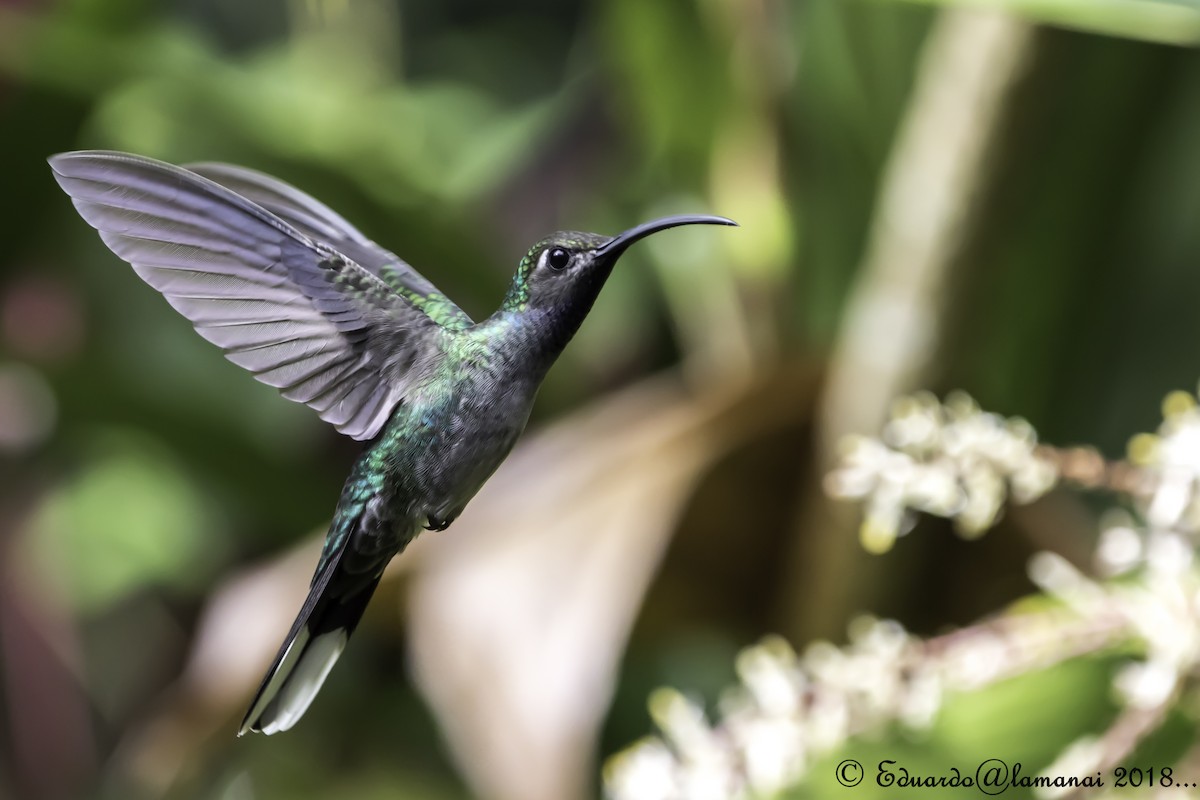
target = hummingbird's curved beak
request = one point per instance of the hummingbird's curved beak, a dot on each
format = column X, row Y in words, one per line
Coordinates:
column 620, row 243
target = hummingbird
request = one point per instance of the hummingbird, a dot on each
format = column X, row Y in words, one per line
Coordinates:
column 302, row 299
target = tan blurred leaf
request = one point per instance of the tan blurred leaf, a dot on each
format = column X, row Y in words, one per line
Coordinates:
column 520, row 617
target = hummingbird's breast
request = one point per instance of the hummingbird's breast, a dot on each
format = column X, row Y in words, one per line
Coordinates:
column 452, row 432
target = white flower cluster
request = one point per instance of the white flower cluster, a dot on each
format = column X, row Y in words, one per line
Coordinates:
column 790, row 711
column 1170, row 465
column 1155, row 603
column 959, row 462
column 947, row 459
column 787, row 712
column 1156, row 594
column 1159, row 596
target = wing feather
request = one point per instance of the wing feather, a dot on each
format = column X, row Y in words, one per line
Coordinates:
column 261, row 275
column 317, row 220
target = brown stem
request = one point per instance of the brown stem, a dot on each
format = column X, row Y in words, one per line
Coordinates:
column 1086, row 468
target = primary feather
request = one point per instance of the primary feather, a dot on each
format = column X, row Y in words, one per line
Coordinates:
column 264, row 278
column 319, row 221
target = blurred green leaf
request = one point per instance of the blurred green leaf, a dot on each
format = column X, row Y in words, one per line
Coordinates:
column 129, row 518
column 675, row 81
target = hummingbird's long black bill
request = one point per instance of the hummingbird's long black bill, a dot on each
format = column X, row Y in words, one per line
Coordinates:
column 620, row 243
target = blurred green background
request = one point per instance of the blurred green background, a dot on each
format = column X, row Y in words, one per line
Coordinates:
column 1001, row 197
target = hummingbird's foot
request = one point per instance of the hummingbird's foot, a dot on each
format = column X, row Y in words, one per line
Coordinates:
column 434, row 524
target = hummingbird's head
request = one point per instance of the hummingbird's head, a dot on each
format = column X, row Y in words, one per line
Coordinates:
column 560, row 277
column 564, row 272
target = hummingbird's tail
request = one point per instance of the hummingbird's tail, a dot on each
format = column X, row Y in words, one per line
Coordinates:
column 308, row 653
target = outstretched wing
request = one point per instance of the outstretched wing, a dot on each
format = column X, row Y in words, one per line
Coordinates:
column 313, row 218
column 298, row 313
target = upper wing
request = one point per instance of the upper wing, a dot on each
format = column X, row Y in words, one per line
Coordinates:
column 315, row 219
column 296, row 312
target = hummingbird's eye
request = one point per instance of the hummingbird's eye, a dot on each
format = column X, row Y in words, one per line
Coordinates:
column 558, row 258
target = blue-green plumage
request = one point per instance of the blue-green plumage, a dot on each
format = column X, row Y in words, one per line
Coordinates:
column 294, row 293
